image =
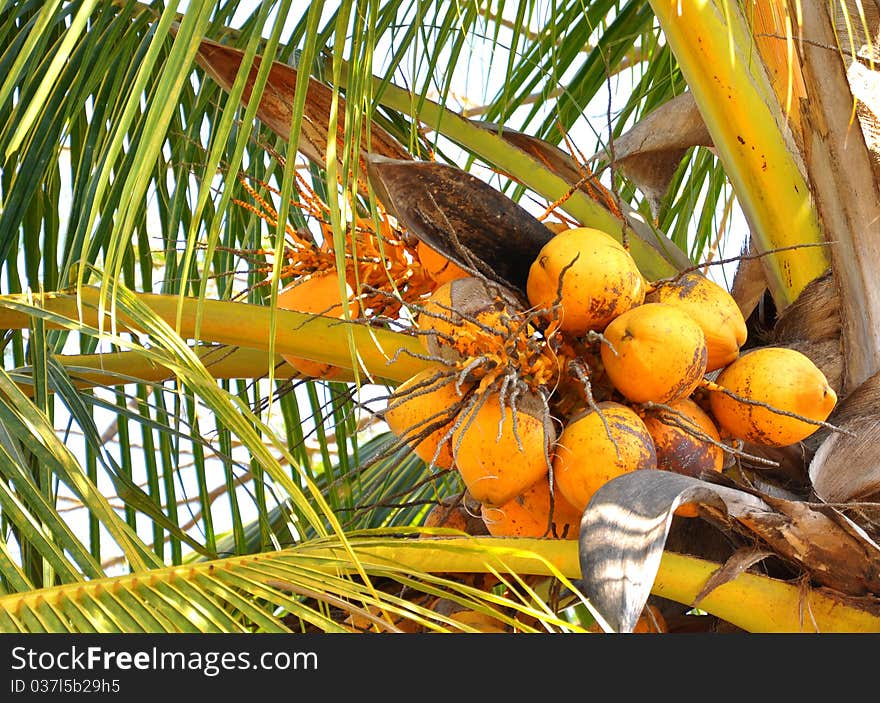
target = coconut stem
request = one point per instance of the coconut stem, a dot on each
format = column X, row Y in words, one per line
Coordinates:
column 733, row 259
column 580, row 370
column 592, row 336
column 712, row 386
column 688, row 427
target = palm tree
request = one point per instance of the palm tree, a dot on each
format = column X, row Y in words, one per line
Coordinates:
column 165, row 175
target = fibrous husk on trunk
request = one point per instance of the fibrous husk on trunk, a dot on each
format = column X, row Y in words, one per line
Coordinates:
column 845, row 469
column 859, row 21
column 814, row 315
column 811, row 325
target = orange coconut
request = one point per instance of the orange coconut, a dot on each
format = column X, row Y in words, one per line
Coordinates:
column 712, row 308
column 499, row 457
column 600, row 279
column 458, row 513
column 420, row 411
column 528, row 515
column 438, row 267
column 461, row 311
column 318, row 294
column 679, row 433
column 654, row 352
column 650, row 621
column 781, row 379
column 678, row 438
column 588, row 455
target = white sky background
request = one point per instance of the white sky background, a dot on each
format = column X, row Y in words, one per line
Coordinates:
column 477, row 84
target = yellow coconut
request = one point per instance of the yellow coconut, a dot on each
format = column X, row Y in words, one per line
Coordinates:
column 654, row 352
column 772, row 388
column 588, row 455
column 600, row 280
column 319, row 295
column 529, row 515
column 420, row 411
column 499, row 457
column 712, row 308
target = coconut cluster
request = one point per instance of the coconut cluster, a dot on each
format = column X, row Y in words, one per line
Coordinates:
column 603, row 373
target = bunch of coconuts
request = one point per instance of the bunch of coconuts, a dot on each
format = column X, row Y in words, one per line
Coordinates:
column 602, row 373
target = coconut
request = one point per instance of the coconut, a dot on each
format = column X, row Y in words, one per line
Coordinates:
column 598, row 445
column 318, row 294
column 679, row 432
column 420, row 411
column 438, row 267
column 533, row 513
column 686, row 441
column 458, row 513
column 771, row 395
column 712, row 308
column 500, row 450
column 654, row 352
column 599, row 280
column 459, row 312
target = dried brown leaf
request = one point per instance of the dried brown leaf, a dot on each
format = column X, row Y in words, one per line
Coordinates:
column 650, row 152
column 846, row 467
column 223, row 63
column 749, row 281
column 462, row 217
column 740, row 562
column 625, row 526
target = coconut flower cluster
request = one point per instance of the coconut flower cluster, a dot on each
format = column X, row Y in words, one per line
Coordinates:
column 382, row 270
column 602, row 373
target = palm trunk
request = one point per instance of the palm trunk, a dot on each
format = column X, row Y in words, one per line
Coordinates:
column 846, row 194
